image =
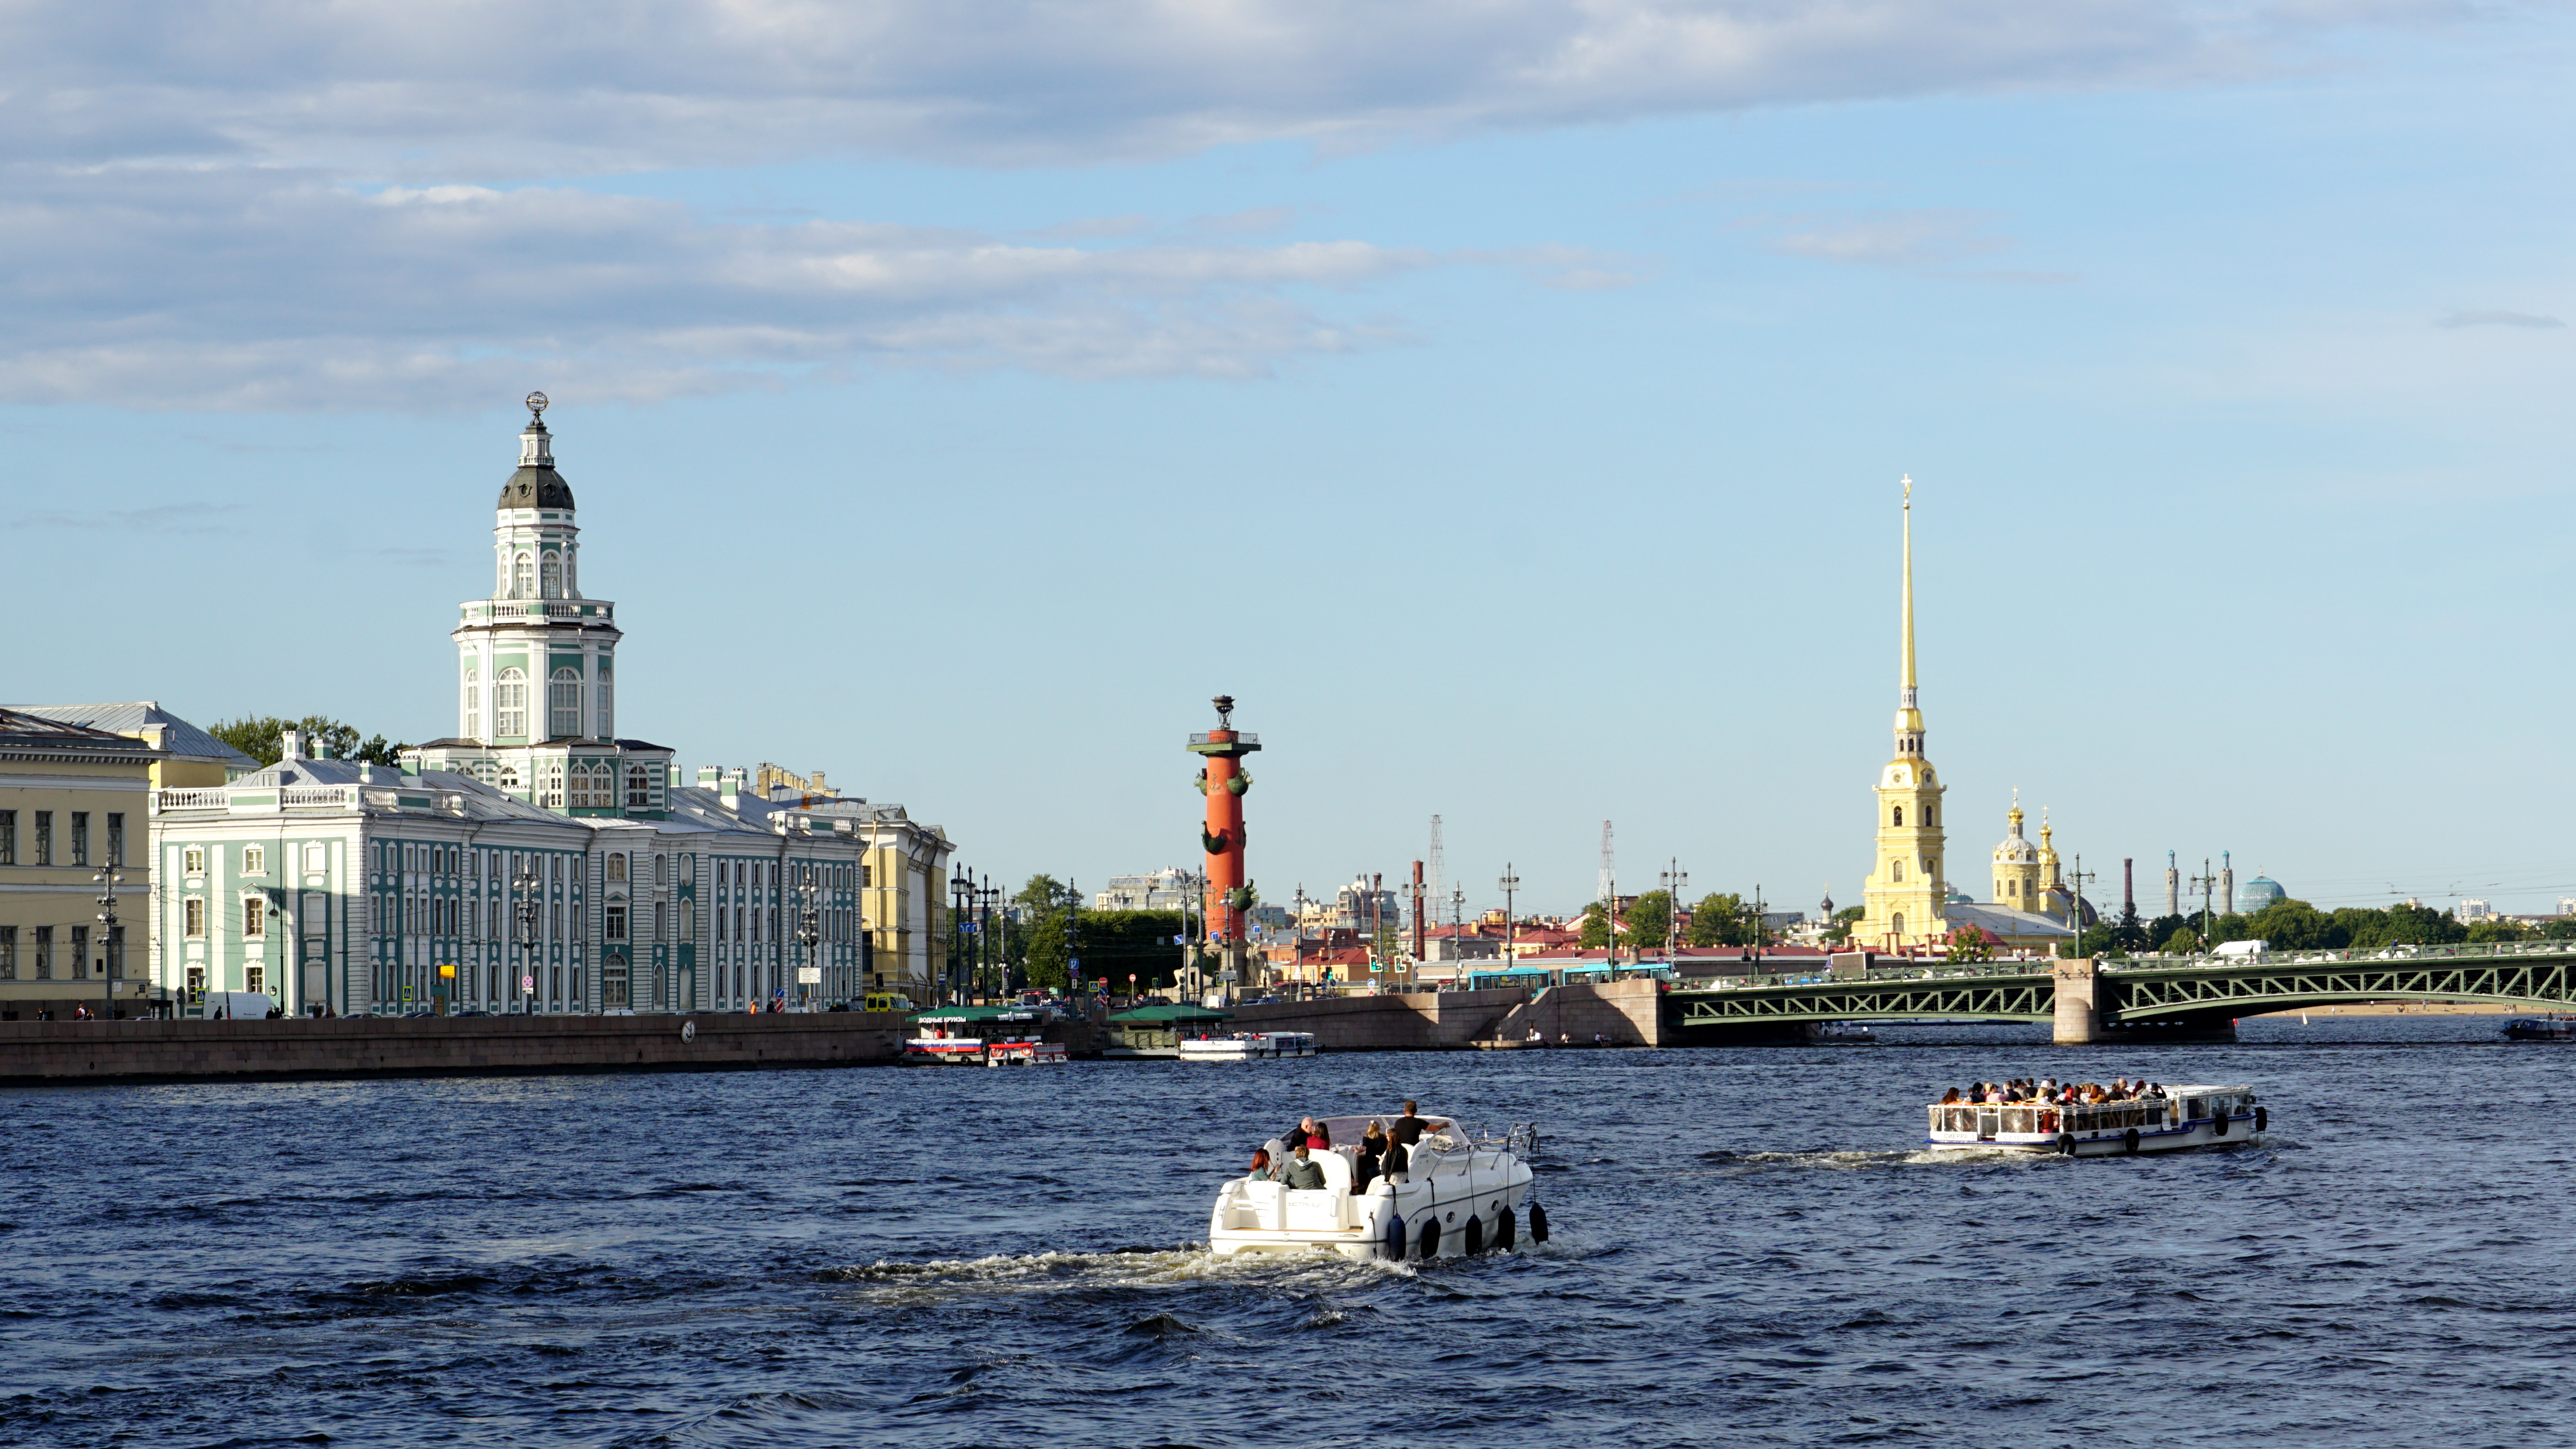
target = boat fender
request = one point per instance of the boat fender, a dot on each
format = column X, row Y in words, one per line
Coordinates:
column 2066, row 1144
column 1538, row 1223
column 2129, row 1142
column 1506, row 1233
column 1395, row 1236
column 1475, row 1235
column 2262, row 1119
column 1431, row 1239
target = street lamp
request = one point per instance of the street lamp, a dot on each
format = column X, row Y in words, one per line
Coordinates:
column 108, row 879
column 1510, row 883
column 1676, row 881
column 809, row 930
column 960, row 887
column 526, row 883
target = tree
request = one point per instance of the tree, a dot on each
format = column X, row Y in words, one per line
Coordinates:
column 1839, row 931
column 1973, row 943
column 2500, row 930
column 1118, row 944
column 1649, row 916
column 1595, row 931
column 1722, row 920
column 257, row 737
column 2181, row 943
column 1045, row 944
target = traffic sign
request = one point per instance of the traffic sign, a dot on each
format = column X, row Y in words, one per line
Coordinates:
column 527, row 983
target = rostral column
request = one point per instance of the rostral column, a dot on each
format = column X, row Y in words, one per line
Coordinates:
column 1223, row 781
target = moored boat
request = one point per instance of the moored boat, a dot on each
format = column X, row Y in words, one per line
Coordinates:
column 1457, row 1196
column 2541, row 1028
column 2181, row 1117
column 941, row 1049
column 1243, row 1046
column 1024, row 1051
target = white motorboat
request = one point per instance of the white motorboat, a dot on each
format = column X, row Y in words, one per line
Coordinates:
column 2182, row 1117
column 940, row 1049
column 1024, row 1051
column 1458, row 1196
column 1244, row 1046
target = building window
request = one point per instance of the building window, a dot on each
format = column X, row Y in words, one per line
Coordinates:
column 255, row 977
column 1899, row 817
column 195, row 912
column 661, row 870
column 8, row 837
column 80, row 953
column 8, row 953
column 1896, row 923
column 617, row 869
column 116, row 837
column 523, row 578
column 254, row 860
column 1896, row 870
column 552, row 573
column 473, row 706
column 510, row 711
column 565, row 699
column 44, row 837
column 192, row 861
column 613, row 922
column 661, row 922
column 607, row 725
column 44, row 953
column 254, row 918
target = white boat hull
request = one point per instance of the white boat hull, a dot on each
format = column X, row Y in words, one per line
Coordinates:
column 2104, row 1130
column 1471, row 1200
column 1248, row 1046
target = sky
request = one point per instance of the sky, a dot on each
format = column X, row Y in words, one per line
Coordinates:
column 1504, row 400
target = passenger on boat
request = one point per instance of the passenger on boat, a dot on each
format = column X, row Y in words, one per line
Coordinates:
column 1408, row 1128
column 1304, row 1173
column 1373, row 1141
column 1950, row 1098
column 1260, row 1169
column 1364, row 1164
column 1398, row 1158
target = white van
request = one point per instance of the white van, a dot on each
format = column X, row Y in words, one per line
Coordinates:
column 239, row 1005
column 2243, row 948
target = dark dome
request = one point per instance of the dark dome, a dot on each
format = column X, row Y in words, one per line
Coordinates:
column 536, row 488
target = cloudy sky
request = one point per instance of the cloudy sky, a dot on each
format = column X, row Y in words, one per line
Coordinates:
column 1505, row 399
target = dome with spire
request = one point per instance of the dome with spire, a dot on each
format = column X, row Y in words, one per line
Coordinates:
column 536, row 484
column 2016, row 849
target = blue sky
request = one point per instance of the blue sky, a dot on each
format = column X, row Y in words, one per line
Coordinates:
column 1504, row 401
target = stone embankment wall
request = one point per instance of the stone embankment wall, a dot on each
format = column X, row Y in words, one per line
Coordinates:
column 1619, row 1013
column 1413, row 1022
column 104, row 1051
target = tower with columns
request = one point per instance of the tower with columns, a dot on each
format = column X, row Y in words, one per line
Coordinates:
column 1224, row 781
column 1904, row 897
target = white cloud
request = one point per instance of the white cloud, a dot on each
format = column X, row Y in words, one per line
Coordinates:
column 2499, row 319
column 1909, row 237
column 252, row 289
column 441, row 90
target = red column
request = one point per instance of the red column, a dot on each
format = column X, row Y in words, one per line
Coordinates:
column 1224, row 781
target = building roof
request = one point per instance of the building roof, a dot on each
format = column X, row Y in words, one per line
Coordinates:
column 181, row 739
column 28, row 730
column 536, row 486
column 2004, row 920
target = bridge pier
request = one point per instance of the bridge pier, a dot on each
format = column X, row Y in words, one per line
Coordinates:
column 2079, row 1019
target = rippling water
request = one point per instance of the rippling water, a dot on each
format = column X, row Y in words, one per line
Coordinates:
column 1750, row 1249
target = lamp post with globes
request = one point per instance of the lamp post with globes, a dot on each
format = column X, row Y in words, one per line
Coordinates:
column 108, row 879
column 808, row 932
column 526, row 883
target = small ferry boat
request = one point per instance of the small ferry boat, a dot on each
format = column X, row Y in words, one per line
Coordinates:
column 2552, row 1027
column 1024, row 1051
column 1459, row 1196
column 941, row 1049
column 2182, row 1117
column 1244, row 1046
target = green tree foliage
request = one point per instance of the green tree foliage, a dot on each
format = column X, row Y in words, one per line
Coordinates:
column 2484, row 931
column 1118, row 943
column 1838, row 932
column 1044, row 938
column 2295, row 925
column 2561, row 929
column 257, row 737
column 2181, row 943
column 1044, row 953
column 1722, row 920
column 1973, row 943
column 1648, row 916
column 1595, row 930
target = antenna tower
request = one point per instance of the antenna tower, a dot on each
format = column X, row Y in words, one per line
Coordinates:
column 1431, row 865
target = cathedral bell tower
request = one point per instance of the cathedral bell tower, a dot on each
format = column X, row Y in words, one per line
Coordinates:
column 1904, row 896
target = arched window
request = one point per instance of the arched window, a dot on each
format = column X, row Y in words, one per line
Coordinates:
column 1931, row 813
column 1899, row 816
column 1896, row 923
column 551, row 573
column 473, row 705
column 523, row 578
column 510, row 704
column 1896, row 870
column 566, row 704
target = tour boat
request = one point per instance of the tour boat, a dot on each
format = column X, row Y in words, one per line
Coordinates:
column 939, row 1050
column 2541, row 1028
column 1024, row 1051
column 1459, row 1196
column 1247, row 1045
column 2183, row 1117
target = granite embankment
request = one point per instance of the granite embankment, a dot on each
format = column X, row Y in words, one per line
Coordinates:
column 1621, row 1013
column 101, row 1051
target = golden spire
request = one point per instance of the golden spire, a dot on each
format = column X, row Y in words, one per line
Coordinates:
column 1906, row 683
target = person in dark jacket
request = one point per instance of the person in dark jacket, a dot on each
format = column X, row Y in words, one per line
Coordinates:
column 1396, row 1160
column 1408, row 1128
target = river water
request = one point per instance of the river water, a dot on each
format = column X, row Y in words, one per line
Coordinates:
column 1750, row 1248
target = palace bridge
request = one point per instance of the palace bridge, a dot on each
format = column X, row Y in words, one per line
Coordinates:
column 2100, row 1000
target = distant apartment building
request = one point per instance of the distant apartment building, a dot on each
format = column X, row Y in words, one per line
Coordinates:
column 1168, row 889
column 2475, row 910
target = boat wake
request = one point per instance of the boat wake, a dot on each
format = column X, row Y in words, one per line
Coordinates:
column 1186, row 1267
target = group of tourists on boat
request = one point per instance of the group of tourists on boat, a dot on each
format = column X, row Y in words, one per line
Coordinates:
column 2049, row 1090
column 1384, row 1151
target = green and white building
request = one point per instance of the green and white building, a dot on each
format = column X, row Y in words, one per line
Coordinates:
column 534, row 860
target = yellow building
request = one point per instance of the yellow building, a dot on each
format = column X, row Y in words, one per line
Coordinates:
column 1904, row 898
column 74, row 801
column 190, row 758
column 1908, row 905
